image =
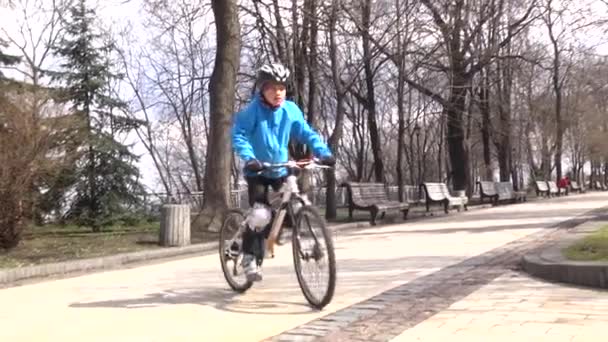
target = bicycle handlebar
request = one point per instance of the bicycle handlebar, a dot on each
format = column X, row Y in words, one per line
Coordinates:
column 301, row 164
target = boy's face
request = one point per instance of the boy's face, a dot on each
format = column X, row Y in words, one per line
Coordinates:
column 274, row 93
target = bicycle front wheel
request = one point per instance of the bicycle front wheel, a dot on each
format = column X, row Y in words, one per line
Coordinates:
column 230, row 250
column 314, row 257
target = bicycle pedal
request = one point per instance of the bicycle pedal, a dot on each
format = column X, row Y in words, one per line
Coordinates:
column 231, row 255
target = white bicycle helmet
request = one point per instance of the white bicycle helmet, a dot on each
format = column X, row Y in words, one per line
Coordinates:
column 273, row 72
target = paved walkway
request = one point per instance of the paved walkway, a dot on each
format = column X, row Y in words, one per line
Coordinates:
column 452, row 276
column 515, row 307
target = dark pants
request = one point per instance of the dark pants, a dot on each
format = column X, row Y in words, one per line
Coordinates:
column 253, row 241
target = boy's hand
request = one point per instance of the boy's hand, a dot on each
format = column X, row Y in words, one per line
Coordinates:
column 328, row 160
column 254, row 165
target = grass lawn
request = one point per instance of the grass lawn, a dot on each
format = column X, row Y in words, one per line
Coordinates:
column 53, row 243
column 593, row 247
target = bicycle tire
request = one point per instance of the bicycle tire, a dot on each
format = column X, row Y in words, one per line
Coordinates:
column 312, row 212
column 238, row 287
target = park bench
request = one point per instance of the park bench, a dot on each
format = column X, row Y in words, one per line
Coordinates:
column 412, row 194
column 553, row 189
column 371, row 197
column 487, row 189
column 439, row 193
column 576, row 187
column 542, row 188
column 507, row 193
column 597, row 185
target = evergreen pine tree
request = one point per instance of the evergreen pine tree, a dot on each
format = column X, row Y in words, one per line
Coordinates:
column 107, row 180
column 6, row 60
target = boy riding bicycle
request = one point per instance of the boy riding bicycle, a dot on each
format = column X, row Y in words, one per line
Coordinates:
column 261, row 133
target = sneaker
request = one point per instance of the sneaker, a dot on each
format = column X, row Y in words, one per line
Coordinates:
column 234, row 250
column 252, row 271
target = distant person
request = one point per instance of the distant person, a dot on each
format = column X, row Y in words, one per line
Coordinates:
column 564, row 183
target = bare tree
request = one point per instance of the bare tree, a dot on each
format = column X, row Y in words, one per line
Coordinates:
column 172, row 71
column 551, row 18
column 39, row 29
column 456, row 31
column 336, row 135
column 221, row 90
column 141, row 103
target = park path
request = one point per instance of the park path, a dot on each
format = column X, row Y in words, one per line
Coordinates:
column 454, row 275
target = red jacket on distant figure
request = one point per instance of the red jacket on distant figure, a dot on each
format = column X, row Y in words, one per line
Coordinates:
column 563, row 183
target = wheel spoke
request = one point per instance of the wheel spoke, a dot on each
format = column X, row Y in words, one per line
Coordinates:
column 230, row 251
column 314, row 258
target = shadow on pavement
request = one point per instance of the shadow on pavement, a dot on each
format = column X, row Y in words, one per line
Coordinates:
column 221, row 299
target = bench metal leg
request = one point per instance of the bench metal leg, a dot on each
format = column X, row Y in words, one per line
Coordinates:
column 446, row 205
column 405, row 212
column 350, row 212
column 374, row 214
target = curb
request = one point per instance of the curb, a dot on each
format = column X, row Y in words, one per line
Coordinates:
column 549, row 263
column 10, row 277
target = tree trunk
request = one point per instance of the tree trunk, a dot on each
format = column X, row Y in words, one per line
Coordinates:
column 559, row 127
column 221, row 103
column 401, row 138
column 455, row 134
column 484, row 108
column 400, row 109
column 175, row 225
column 311, row 58
column 371, row 100
column 557, row 88
column 334, row 139
column 504, row 111
column 193, row 157
column 298, row 49
column 281, row 40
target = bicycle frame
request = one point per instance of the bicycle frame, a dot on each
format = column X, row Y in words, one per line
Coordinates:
column 288, row 190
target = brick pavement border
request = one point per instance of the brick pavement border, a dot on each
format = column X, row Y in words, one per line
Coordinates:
column 387, row 315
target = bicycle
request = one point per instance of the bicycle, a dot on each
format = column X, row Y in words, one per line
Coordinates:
column 302, row 214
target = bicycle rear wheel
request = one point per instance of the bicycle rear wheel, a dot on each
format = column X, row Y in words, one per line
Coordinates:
column 231, row 253
column 313, row 251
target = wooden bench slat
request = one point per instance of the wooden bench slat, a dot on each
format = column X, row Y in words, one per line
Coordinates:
column 439, row 193
column 507, row 193
column 542, row 188
column 487, row 189
column 372, row 197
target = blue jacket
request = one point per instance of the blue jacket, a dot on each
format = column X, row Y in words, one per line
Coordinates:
column 261, row 133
